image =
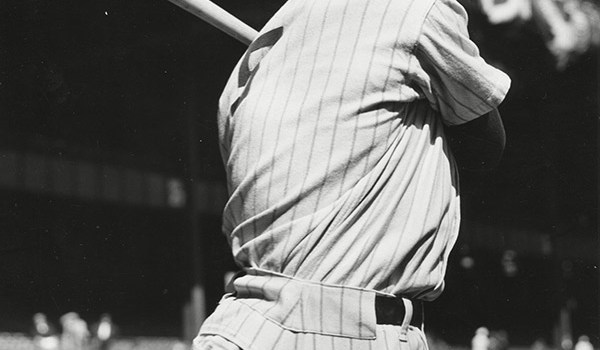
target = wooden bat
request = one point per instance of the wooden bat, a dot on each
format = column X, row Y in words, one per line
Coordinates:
column 219, row 18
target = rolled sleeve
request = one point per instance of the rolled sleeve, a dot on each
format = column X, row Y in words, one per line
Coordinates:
column 455, row 79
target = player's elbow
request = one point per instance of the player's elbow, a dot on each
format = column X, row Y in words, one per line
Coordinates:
column 476, row 154
column 479, row 144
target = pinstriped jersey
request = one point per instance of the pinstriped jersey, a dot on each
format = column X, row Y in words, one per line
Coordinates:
column 341, row 183
column 331, row 133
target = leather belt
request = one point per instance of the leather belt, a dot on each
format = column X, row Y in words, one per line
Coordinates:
column 391, row 311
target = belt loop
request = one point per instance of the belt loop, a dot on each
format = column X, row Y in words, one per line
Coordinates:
column 408, row 314
column 422, row 310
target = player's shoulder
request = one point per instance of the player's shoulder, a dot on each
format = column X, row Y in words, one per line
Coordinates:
column 446, row 10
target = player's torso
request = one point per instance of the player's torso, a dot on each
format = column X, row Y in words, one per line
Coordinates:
column 329, row 162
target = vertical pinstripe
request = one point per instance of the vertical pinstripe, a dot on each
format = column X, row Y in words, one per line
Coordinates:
column 297, row 127
column 248, row 328
column 366, row 163
column 341, row 183
column 319, row 114
column 364, row 89
column 363, row 93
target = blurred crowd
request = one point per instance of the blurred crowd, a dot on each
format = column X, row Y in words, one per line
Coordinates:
column 75, row 333
column 486, row 339
column 569, row 28
column 71, row 332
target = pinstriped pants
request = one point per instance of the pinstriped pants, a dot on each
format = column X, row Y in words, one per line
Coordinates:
column 414, row 340
column 271, row 311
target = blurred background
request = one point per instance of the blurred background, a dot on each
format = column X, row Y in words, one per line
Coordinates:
column 111, row 184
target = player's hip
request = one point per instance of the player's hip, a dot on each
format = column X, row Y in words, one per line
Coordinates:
column 237, row 326
column 269, row 310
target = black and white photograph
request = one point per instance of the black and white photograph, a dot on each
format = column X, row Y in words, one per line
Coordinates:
column 299, row 175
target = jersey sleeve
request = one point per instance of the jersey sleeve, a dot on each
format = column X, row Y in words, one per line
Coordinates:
column 454, row 78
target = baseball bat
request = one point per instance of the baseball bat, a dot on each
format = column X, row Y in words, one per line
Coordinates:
column 219, row 18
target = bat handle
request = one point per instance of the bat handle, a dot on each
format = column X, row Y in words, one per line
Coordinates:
column 219, row 18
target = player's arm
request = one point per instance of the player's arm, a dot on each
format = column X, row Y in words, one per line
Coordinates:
column 462, row 87
column 478, row 144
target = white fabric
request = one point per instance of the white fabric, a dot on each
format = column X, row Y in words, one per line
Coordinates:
column 272, row 311
column 336, row 161
column 331, row 134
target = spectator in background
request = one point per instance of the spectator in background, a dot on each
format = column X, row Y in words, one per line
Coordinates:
column 436, row 342
column 570, row 28
column 481, row 340
column 506, row 11
column 43, row 333
column 540, row 344
column 583, row 343
column 75, row 334
column 499, row 340
column 566, row 343
column 104, row 332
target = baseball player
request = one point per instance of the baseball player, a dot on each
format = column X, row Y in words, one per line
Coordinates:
column 344, row 201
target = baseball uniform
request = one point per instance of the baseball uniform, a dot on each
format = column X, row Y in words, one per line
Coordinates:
column 342, row 186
